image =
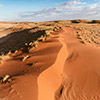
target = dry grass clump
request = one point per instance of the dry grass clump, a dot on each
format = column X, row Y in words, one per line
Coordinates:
column 48, row 32
column 56, row 28
column 42, row 38
column 25, row 57
column 3, row 56
column 79, row 36
column 5, row 79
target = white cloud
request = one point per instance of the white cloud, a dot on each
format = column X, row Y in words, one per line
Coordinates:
column 75, row 2
column 93, row 6
column 63, row 12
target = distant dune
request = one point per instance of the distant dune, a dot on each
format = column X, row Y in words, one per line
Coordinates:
column 54, row 60
column 85, row 21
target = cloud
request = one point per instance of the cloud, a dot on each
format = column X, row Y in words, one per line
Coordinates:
column 1, row 5
column 75, row 2
column 94, row 6
column 64, row 12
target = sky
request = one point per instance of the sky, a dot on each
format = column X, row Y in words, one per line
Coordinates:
column 48, row 10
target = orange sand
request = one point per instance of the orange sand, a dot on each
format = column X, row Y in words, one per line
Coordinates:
column 63, row 69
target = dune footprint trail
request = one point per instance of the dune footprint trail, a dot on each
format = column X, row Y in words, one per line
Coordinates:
column 50, row 79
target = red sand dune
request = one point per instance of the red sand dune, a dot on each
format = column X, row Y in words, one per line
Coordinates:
column 63, row 69
column 81, row 73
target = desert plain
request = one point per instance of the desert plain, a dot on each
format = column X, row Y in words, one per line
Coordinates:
column 54, row 60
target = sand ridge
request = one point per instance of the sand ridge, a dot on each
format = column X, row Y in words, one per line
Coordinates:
column 51, row 77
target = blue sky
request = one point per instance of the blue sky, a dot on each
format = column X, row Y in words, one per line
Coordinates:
column 44, row 10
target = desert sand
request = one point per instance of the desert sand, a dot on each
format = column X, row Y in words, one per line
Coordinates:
column 57, row 60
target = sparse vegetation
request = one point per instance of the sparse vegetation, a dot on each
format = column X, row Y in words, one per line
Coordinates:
column 89, row 34
column 30, row 33
column 5, row 79
column 26, row 57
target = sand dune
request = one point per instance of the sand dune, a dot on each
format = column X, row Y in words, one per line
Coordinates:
column 81, row 73
column 22, row 72
column 63, row 67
